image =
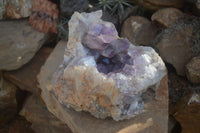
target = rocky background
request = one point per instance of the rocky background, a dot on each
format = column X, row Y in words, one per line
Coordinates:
column 29, row 33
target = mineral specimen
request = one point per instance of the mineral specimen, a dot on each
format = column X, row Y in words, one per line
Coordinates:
column 102, row 73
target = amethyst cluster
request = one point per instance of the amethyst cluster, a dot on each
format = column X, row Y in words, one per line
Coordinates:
column 113, row 57
column 102, row 73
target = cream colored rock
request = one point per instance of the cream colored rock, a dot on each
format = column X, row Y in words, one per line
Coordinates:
column 153, row 119
column 79, row 83
column 75, row 83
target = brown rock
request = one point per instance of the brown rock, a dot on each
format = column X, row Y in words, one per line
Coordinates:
column 139, row 30
column 8, row 103
column 18, row 43
column 158, row 4
column 187, row 112
column 25, row 77
column 166, row 16
column 193, row 70
column 179, row 43
column 42, row 120
column 153, row 120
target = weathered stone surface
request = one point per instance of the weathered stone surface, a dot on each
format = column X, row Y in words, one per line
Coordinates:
column 153, row 119
column 96, row 56
column 35, row 111
column 139, row 30
column 179, row 43
column 25, row 77
column 187, row 112
column 158, row 4
column 68, row 7
column 193, row 70
column 15, row 9
column 8, row 103
column 18, row 43
column 166, row 16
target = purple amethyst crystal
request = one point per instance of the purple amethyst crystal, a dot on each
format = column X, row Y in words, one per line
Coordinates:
column 99, row 35
column 102, row 73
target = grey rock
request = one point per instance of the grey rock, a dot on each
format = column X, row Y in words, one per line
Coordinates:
column 129, row 72
column 72, row 85
column 193, row 70
column 18, row 43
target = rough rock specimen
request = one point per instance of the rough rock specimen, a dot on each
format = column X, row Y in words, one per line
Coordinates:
column 45, row 16
column 187, row 112
column 102, row 73
column 18, row 43
column 166, row 16
column 193, row 70
column 8, row 103
column 35, row 111
column 154, row 119
column 15, row 9
column 179, row 43
column 139, row 30
column 159, row 4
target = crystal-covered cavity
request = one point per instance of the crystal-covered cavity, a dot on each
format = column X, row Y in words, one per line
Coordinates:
column 102, row 73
